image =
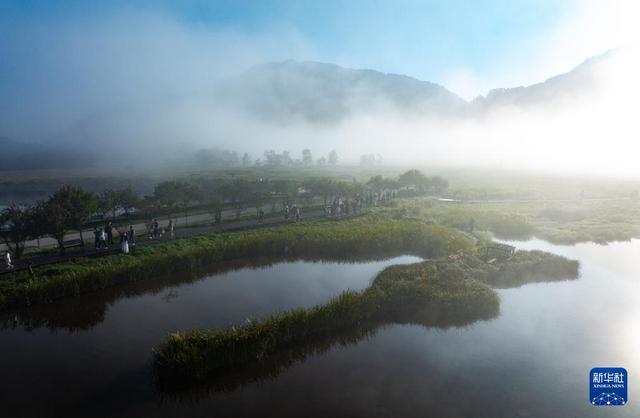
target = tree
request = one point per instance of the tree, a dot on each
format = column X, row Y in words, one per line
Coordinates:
column 188, row 193
column 246, row 161
column 17, row 225
column 258, row 199
column 176, row 194
column 214, row 203
column 333, row 157
column 367, row 160
column 237, row 192
column 107, row 202
column 321, row 186
column 376, row 183
column 168, row 194
column 414, row 178
column 273, row 159
column 111, row 200
column 126, row 199
column 439, row 184
column 286, row 158
column 69, row 208
column 286, row 189
column 217, row 158
column 307, row 158
column 50, row 219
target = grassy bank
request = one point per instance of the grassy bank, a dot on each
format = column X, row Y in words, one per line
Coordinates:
column 362, row 237
column 559, row 222
column 417, row 293
column 449, row 291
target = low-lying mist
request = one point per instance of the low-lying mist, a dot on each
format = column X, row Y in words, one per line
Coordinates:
column 147, row 89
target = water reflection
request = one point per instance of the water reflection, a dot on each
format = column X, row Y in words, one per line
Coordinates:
column 530, row 361
column 440, row 316
column 91, row 355
column 87, row 311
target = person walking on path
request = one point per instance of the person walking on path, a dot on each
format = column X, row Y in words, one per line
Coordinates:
column 7, row 260
column 96, row 238
column 156, row 229
column 296, row 212
column 171, row 229
column 260, row 215
column 131, row 235
column 109, row 230
column 124, row 243
column 103, row 239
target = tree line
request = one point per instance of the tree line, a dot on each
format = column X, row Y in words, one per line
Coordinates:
column 71, row 208
column 270, row 158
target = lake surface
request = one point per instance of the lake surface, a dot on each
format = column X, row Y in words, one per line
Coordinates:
column 91, row 356
column 532, row 360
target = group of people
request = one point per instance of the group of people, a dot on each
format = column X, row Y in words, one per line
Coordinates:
column 103, row 237
column 291, row 211
column 341, row 206
column 155, row 231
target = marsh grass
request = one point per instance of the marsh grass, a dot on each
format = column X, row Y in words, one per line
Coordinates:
column 358, row 238
column 559, row 222
column 417, row 293
column 444, row 292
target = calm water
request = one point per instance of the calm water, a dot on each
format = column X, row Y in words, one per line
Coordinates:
column 91, row 356
column 531, row 361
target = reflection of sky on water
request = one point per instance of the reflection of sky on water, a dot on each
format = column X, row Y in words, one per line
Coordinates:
column 531, row 361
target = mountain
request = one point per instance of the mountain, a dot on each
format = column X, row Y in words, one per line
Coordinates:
column 263, row 102
column 323, row 93
column 326, row 93
column 571, row 85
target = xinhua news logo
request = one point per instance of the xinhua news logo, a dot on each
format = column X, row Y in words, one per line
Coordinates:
column 608, row 386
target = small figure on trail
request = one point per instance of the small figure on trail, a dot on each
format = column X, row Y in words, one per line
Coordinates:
column 7, row 260
column 156, row 229
column 171, row 228
column 286, row 211
column 131, row 235
column 109, row 230
column 96, row 238
column 297, row 213
column 260, row 215
column 218, row 216
column 103, row 239
column 124, row 243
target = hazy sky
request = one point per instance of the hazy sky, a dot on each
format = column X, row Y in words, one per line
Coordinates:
column 74, row 69
column 470, row 46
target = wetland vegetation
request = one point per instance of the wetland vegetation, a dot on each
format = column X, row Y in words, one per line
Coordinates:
column 358, row 238
column 558, row 221
column 452, row 291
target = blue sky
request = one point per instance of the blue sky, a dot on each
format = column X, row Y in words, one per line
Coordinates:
column 487, row 42
column 62, row 58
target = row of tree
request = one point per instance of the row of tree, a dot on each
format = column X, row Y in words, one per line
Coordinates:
column 71, row 208
column 271, row 158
